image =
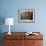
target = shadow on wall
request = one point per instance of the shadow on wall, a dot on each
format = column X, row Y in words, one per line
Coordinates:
column 2, row 21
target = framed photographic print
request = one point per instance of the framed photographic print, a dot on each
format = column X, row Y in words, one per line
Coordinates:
column 26, row 15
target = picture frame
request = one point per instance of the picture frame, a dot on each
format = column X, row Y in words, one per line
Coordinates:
column 26, row 15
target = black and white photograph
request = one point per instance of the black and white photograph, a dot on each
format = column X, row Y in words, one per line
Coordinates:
column 26, row 15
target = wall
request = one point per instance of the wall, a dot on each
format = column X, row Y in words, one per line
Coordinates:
column 9, row 8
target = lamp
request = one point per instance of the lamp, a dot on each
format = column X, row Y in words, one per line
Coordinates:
column 9, row 21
